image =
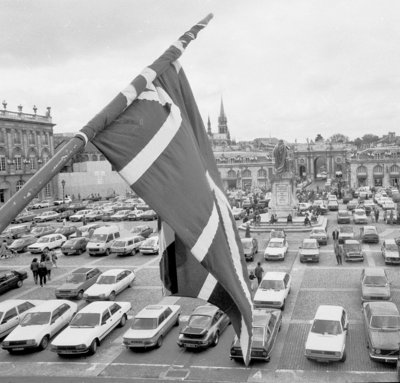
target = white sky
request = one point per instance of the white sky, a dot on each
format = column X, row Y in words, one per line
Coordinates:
column 285, row 68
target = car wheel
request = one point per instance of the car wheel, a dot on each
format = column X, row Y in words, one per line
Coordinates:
column 107, row 252
column 80, row 295
column 216, row 339
column 93, row 347
column 176, row 324
column 122, row 321
column 19, row 284
column 112, row 296
column 283, row 306
column 343, row 357
column 44, row 343
column 45, row 250
column 159, row 342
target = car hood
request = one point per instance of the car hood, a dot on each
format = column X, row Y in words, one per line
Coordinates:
column 324, row 342
column 99, row 289
column 309, row 252
column 274, row 250
column 73, row 336
column 376, row 290
column 188, row 330
column 27, row 332
column 140, row 334
column 69, row 286
column 269, row 295
column 387, row 340
column 247, row 251
column 392, row 254
column 93, row 245
column 254, row 344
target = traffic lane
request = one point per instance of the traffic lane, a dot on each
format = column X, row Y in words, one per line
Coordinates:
column 293, row 358
column 329, row 278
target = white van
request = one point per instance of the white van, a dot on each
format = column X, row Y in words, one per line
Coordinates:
column 102, row 240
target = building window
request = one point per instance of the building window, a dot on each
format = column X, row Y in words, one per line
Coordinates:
column 17, row 137
column 45, row 158
column 31, row 138
column 32, row 162
column 46, row 139
column 47, row 190
column 18, row 163
column 262, row 173
column 1, row 136
column 2, row 199
column 19, row 185
column 2, row 163
column 231, row 174
column 246, row 173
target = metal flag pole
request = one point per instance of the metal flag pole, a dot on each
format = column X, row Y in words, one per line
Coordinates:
column 125, row 98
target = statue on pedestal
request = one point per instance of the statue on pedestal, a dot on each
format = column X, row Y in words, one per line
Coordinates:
column 280, row 154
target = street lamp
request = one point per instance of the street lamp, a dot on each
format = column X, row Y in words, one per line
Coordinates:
column 63, row 186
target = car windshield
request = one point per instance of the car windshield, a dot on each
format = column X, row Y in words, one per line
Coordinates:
column 375, row 280
column 119, row 244
column 392, row 247
column 201, row 321
column 36, row 318
column 310, row 245
column 385, row 322
column 99, row 237
column 43, row 240
column 150, row 241
column 247, row 244
column 359, row 212
column 346, row 229
column 352, row 247
column 18, row 242
column 369, row 231
column 343, row 213
column 76, row 278
column 85, row 320
column 277, row 234
column 275, row 244
column 106, row 280
column 272, row 285
column 144, row 323
column 319, row 232
column 258, row 334
column 329, row 327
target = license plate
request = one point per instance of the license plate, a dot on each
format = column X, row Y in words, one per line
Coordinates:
column 135, row 343
column 18, row 349
column 191, row 345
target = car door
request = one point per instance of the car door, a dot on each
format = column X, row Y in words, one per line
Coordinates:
column 272, row 330
column 116, row 313
column 107, row 323
column 4, row 286
column 9, row 321
column 121, row 281
column 286, row 281
column 222, row 320
column 56, row 322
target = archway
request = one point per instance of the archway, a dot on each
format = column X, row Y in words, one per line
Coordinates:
column 302, row 170
column 320, row 169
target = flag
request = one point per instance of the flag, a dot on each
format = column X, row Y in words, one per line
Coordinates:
column 158, row 144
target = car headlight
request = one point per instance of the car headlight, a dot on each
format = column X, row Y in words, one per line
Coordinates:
column 81, row 346
column 6, row 343
column 31, row 342
column 85, row 295
column 376, row 350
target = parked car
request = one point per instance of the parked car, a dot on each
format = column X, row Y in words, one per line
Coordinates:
column 14, row 232
column 134, row 215
column 388, row 205
column 12, row 311
column 62, row 201
column 89, row 327
column 106, row 216
column 343, row 216
column 351, row 205
column 345, row 232
column 351, row 250
column 150, row 246
column 148, row 215
column 204, row 328
column 26, row 216
column 273, row 290
column 382, row 329
column 66, row 231
column 10, row 279
column 109, row 284
column 21, row 244
column 151, row 325
column 276, row 249
column 320, row 234
column 120, row 215
column 39, row 325
column 47, row 242
column 333, row 205
column 266, row 325
column 309, row 251
column 375, row 285
column 74, row 246
column 303, row 206
column 390, row 252
column 41, row 204
column 369, row 234
column 127, row 245
column 94, row 215
column 40, row 231
column 78, row 216
column 77, row 282
column 46, row 216
column 359, row 216
column 77, row 206
column 88, row 230
column 142, row 230
column 323, row 208
column 65, row 215
column 326, row 340
column 277, row 233
column 250, row 247
column 238, row 213
column 102, row 239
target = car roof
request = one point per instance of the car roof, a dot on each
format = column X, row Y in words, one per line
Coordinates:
column 246, row 239
column 274, row 275
column 383, row 308
column 129, row 237
column 208, row 310
column 374, row 271
column 390, row 241
column 276, row 239
column 309, row 240
column 97, row 307
column 369, row 227
column 114, row 271
column 351, row 242
column 10, row 303
column 152, row 311
column 329, row 312
column 83, row 270
column 50, row 304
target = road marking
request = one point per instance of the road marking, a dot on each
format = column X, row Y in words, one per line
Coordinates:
column 370, row 259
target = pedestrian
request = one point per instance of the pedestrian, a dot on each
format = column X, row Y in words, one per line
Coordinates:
column 54, row 258
column 247, row 233
column 84, row 221
column 64, row 221
column 35, row 269
column 42, row 271
column 49, row 265
column 307, row 221
column 338, row 253
column 289, row 218
column 335, row 235
column 253, row 281
column 376, row 215
column 385, row 216
column 391, row 217
column 3, row 249
column 258, row 271
column 372, row 217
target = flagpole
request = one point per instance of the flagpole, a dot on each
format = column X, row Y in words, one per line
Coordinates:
column 41, row 178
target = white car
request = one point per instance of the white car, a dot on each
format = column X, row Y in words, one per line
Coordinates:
column 277, row 249
column 273, row 290
column 127, row 245
column 333, row 205
column 46, row 216
column 359, row 216
column 151, row 325
column 39, row 325
column 78, row 216
column 326, row 339
column 388, row 204
column 48, row 242
column 238, row 213
column 150, row 246
column 61, row 201
column 89, row 327
column 109, row 284
column 12, row 311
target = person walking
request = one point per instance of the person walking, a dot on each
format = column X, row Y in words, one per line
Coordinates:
column 42, row 271
column 84, row 221
column 54, row 258
column 391, row 217
column 253, row 281
column 335, row 236
column 247, row 233
column 258, row 271
column 337, row 253
column 376, row 215
column 35, row 269
column 49, row 265
column 385, row 216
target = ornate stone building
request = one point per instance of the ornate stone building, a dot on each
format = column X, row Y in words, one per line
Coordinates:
column 26, row 143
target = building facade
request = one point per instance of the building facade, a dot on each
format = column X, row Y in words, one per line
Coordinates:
column 26, row 143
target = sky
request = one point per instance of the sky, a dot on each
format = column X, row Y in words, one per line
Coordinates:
column 289, row 69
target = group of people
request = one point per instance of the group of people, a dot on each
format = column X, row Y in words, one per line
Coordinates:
column 338, row 254
column 41, row 270
column 256, row 276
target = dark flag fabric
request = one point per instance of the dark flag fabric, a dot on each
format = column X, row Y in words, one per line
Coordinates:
column 158, row 144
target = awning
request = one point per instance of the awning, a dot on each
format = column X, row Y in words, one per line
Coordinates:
column 394, row 174
column 362, row 175
column 378, row 175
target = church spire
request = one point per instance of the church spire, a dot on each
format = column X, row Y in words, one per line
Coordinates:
column 209, row 127
column 222, row 120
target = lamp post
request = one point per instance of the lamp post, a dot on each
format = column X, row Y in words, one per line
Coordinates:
column 63, row 186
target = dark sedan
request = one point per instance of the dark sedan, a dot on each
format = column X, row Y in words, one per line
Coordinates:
column 10, row 279
column 142, row 230
column 148, row 215
column 205, row 326
column 66, row 230
column 65, row 215
column 74, row 246
column 369, row 234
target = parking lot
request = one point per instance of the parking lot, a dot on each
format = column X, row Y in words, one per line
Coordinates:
column 312, row 285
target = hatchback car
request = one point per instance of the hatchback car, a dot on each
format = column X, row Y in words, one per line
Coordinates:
column 151, row 325
column 74, row 246
column 250, row 247
column 343, row 216
column 21, row 244
column 320, row 235
column 77, row 282
column 40, row 231
column 10, row 279
column 351, row 250
column 326, row 340
column 78, row 216
column 94, row 215
column 150, row 246
column 120, row 215
column 390, row 252
column 345, row 232
column 382, row 328
column 375, row 285
column 309, row 251
column 109, row 284
column 89, row 327
column 369, row 234
column 148, row 215
column 266, row 325
column 273, row 290
column 276, row 249
column 359, row 216
column 46, row 216
column 127, row 245
column 351, row 205
column 47, row 242
column 333, row 205
column 66, row 231
column 39, row 325
column 26, row 216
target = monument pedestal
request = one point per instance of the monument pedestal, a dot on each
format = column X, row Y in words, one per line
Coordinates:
column 283, row 196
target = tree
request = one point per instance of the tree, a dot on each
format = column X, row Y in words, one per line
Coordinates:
column 319, row 138
column 358, row 142
column 339, row 138
column 369, row 138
